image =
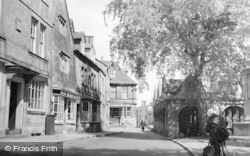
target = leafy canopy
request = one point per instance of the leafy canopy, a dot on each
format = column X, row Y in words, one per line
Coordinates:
column 202, row 38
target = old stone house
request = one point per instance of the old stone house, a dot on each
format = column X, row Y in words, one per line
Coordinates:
column 25, row 65
column 176, row 108
column 63, row 82
column 122, row 96
column 90, row 85
column 104, row 82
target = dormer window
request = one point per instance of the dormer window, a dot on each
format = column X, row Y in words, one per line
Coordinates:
column 62, row 25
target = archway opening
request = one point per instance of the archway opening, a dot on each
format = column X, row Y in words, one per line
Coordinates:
column 188, row 121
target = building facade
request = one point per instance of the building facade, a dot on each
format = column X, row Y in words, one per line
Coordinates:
column 25, row 66
column 63, row 85
column 90, row 84
column 104, row 82
column 122, row 96
column 176, row 108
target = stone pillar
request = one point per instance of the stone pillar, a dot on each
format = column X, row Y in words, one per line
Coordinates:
column 99, row 112
column 243, row 128
column 90, row 112
column 246, row 89
column 122, row 116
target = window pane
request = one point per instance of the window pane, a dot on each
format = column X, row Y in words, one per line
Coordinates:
column 36, row 92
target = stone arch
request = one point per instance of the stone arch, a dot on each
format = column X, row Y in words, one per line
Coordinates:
column 233, row 114
column 188, row 121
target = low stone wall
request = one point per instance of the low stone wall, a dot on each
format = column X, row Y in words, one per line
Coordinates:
column 241, row 128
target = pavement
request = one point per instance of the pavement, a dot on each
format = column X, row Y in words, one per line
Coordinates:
column 196, row 145
column 36, row 140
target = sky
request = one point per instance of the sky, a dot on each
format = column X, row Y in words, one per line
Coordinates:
column 87, row 16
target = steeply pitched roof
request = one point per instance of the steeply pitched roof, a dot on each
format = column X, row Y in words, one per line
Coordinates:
column 172, row 85
column 120, row 78
column 175, row 88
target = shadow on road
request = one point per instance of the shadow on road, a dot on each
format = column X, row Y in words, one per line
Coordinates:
column 122, row 152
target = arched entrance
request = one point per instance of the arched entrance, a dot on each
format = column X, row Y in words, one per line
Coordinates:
column 188, row 121
column 233, row 114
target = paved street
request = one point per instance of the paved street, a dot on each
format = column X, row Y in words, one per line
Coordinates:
column 132, row 142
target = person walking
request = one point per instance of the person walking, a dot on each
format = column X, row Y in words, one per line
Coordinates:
column 143, row 124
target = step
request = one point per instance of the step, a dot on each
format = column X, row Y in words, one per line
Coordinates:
column 13, row 132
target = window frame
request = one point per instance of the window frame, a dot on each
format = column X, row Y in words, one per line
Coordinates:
column 124, row 92
column 113, row 92
column 128, row 112
column 42, row 34
column 64, row 63
column 36, row 95
column 33, row 35
column 71, row 106
column 60, row 109
column 62, row 25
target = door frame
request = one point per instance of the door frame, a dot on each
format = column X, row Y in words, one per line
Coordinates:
column 20, row 105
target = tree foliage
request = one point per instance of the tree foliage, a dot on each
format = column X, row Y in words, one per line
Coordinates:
column 202, row 38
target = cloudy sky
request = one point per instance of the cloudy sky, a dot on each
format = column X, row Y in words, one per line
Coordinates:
column 87, row 16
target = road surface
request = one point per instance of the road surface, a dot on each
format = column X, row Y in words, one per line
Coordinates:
column 130, row 143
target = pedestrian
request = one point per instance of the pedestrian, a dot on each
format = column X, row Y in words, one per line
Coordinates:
column 143, row 124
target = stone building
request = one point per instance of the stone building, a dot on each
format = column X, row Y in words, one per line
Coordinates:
column 122, row 96
column 63, row 84
column 25, row 65
column 104, row 83
column 90, row 83
column 176, row 108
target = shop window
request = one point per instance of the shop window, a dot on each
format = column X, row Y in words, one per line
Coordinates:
column 71, row 111
column 36, row 95
column 58, row 108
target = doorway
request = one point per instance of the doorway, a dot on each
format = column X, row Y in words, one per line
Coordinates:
column 188, row 121
column 115, row 116
column 14, row 101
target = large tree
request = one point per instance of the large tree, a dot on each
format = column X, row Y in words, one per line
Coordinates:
column 202, row 38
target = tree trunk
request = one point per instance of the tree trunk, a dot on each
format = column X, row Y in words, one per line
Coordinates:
column 200, row 103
